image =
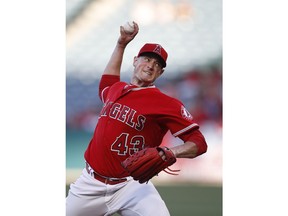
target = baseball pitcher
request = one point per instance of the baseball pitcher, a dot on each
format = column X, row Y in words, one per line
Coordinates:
column 124, row 152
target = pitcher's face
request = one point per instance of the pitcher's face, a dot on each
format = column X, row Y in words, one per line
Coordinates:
column 146, row 70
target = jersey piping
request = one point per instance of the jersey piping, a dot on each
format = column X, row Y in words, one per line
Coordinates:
column 185, row 129
column 102, row 93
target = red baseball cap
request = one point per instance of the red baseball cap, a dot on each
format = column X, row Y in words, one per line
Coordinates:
column 156, row 49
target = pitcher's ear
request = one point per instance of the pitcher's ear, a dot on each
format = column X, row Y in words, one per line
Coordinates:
column 135, row 61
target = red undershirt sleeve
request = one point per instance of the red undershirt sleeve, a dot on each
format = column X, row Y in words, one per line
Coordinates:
column 106, row 81
column 196, row 137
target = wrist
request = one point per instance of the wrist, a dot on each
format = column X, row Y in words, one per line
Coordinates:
column 121, row 44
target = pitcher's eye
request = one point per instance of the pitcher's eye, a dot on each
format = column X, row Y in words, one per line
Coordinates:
column 146, row 59
column 158, row 65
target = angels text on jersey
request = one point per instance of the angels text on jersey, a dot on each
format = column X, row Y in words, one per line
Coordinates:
column 123, row 114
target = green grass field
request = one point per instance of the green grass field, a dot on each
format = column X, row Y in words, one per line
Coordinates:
column 191, row 200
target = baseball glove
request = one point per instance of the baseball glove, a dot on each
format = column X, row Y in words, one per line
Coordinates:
column 145, row 164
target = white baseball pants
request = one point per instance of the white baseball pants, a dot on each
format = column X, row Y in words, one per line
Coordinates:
column 90, row 197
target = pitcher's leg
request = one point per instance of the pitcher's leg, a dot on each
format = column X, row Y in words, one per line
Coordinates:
column 86, row 197
column 140, row 199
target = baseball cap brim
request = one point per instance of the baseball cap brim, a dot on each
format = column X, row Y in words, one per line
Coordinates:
column 152, row 54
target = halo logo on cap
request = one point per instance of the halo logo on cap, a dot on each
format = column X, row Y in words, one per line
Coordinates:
column 158, row 49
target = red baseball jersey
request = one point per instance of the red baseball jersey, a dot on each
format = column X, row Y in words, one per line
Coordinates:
column 131, row 119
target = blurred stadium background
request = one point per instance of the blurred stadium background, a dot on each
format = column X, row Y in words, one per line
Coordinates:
column 191, row 32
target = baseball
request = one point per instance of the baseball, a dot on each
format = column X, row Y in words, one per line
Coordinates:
column 129, row 27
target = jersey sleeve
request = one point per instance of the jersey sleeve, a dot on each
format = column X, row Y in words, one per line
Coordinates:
column 177, row 118
column 105, row 82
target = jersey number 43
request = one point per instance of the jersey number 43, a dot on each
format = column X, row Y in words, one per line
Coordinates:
column 124, row 144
